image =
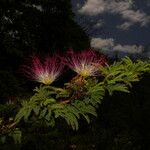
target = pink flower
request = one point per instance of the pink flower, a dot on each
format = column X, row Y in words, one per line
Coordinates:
column 85, row 63
column 44, row 70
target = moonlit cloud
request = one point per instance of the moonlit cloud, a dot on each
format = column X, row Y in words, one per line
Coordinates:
column 123, row 8
column 132, row 49
column 93, row 7
column 99, row 43
column 108, row 45
column 125, row 26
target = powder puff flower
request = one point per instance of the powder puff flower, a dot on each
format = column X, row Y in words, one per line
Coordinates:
column 85, row 63
column 44, row 71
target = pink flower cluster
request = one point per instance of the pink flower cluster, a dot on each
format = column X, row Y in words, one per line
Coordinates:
column 85, row 63
column 47, row 70
column 44, row 71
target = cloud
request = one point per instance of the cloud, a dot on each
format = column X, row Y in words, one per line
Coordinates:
column 136, row 17
column 123, row 8
column 125, row 26
column 132, row 49
column 99, row 43
column 108, row 45
column 93, row 7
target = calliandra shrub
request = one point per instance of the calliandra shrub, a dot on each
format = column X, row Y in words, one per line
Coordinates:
column 78, row 98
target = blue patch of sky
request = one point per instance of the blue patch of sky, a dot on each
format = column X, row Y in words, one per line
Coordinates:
column 135, row 35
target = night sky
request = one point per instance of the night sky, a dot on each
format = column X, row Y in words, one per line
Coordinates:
column 116, row 26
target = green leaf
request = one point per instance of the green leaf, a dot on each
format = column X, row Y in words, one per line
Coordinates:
column 3, row 139
column 117, row 87
column 57, row 106
column 16, row 134
column 36, row 110
column 43, row 113
column 49, row 101
column 86, row 118
column 27, row 113
column 48, row 116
